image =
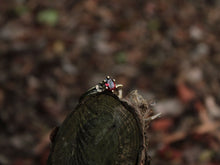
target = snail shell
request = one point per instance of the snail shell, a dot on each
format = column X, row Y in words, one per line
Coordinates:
column 101, row 130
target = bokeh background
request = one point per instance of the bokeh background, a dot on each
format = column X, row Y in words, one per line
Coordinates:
column 52, row 51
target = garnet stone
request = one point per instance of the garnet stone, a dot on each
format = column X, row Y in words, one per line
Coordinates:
column 110, row 84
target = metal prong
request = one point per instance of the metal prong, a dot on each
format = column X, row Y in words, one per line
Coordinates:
column 108, row 77
column 106, row 87
column 105, row 80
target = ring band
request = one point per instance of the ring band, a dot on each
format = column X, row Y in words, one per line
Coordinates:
column 106, row 84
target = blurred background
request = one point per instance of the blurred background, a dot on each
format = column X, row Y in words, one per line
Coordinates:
column 52, row 51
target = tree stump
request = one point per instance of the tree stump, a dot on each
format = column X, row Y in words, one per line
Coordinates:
column 103, row 130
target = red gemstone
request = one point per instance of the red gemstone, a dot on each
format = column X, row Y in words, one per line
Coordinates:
column 110, row 84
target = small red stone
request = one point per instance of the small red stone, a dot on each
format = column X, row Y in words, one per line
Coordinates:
column 110, row 84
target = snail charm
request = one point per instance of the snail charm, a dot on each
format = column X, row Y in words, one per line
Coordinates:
column 103, row 129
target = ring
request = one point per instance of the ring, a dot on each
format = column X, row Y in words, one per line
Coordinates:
column 107, row 84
